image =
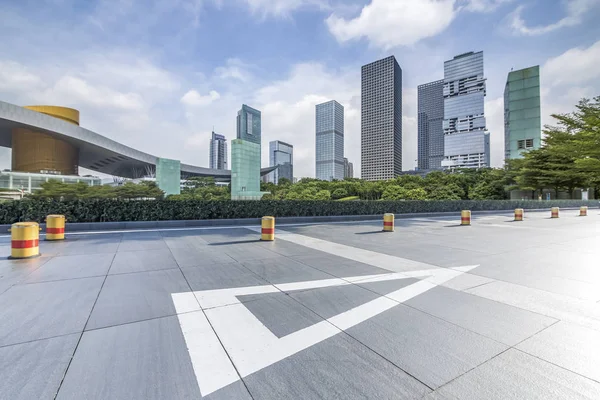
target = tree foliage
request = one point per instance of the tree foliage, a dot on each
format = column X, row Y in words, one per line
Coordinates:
column 55, row 189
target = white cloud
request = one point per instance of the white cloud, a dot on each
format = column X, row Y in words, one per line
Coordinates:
column 282, row 8
column 235, row 69
column 573, row 67
column 575, row 12
column 194, row 99
column 484, row 5
column 387, row 24
column 14, row 76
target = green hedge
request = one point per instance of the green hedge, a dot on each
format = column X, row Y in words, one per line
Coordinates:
column 161, row 210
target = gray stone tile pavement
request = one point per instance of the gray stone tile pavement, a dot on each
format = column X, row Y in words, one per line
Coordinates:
column 105, row 312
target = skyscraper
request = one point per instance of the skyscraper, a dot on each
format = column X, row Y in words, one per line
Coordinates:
column 466, row 140
column 281, row 154
column 245, row 156
column 330, row 141
column 218, row 152
column 430, row 111
column 522, row 112
column 348, row 169
column 381, row 119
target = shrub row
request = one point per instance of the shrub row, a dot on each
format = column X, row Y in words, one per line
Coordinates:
column 100, row 210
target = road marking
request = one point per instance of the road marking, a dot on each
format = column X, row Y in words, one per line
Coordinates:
column 249, row 346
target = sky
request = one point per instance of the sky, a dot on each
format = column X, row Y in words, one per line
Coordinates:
column 160, row 75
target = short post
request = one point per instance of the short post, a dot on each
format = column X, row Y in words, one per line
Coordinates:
column 465, row 217
column 519, row 214
column 555, row 211
column 583, row 211
column 25, row 240
column 267, row 229
column 55, row 227
column 388, row 222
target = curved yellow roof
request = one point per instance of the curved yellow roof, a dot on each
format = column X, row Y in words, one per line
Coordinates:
column 65, row 113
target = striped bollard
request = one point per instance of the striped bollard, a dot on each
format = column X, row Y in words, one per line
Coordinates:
column 519, row 214
column 388, row 222
column 25, row 240
column 465, row 217
column 267, row 232
column 55, row 227
column 554, row 213
column 583, row 211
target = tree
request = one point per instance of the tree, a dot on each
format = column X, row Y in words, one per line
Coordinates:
column 339, row 193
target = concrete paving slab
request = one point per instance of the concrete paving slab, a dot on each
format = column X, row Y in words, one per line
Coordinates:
column 430, row 349
column 150, row 243
column 280, row 313
column 516, row 375
column 141, row 261
column 503, row 323
column 557, row 306
column 43, row 310
column 15, row 271
column 200, row 257
column 144, row 360
column 283, row 270
column 72, row 267
column 35, row 370
column 135, row 297
column 568, row 346
column 339, row 266
column 221, row 276
column 338, row 368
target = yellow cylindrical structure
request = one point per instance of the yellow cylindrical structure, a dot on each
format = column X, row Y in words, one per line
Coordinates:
column 583, row 211
column 55, row 227
column 554, row 213
column 519, row 214
column 267, row 232
column 388, row 222
column 25, row 240
column 465, row 217
column 40, row 152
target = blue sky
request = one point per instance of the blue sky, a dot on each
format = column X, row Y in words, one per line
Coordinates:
column 159, row 74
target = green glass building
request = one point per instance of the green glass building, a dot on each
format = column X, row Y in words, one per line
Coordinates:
column 168, row 175
column 522, row 112
column 245, row 156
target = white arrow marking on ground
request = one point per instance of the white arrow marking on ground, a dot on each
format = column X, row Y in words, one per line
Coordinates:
column 235, row 337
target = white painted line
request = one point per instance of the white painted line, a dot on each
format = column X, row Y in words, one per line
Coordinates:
column 185, row 302
column 385, row 261
column 212, row 367
column 251, row 346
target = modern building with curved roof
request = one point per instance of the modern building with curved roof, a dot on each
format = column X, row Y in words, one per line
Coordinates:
column 48, row 140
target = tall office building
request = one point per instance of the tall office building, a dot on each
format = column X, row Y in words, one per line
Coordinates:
column 329, row 157
column 245, row 156
column 381, row 120
column 348, row 169
column 430, row 111
column 466, row 140
column 218, row 152
column 522, row 112
column 282, row 155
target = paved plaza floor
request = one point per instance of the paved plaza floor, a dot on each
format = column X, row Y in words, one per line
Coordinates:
column 497, row 310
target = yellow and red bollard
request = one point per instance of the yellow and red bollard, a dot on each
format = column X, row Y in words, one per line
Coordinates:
column 55, row 227
column 519, row 214
column 583, row 211
column 388, row 222
column 267, row 232
column 465, row 217
column 25, row 240
column 554, row 213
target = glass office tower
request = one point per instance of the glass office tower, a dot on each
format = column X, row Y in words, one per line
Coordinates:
column 522, row 112
column 466, row 140
column 430, row 111
column 282, row 155
column 330, row 141
column 245, row 156
column 381, row 120
column 218, row 152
